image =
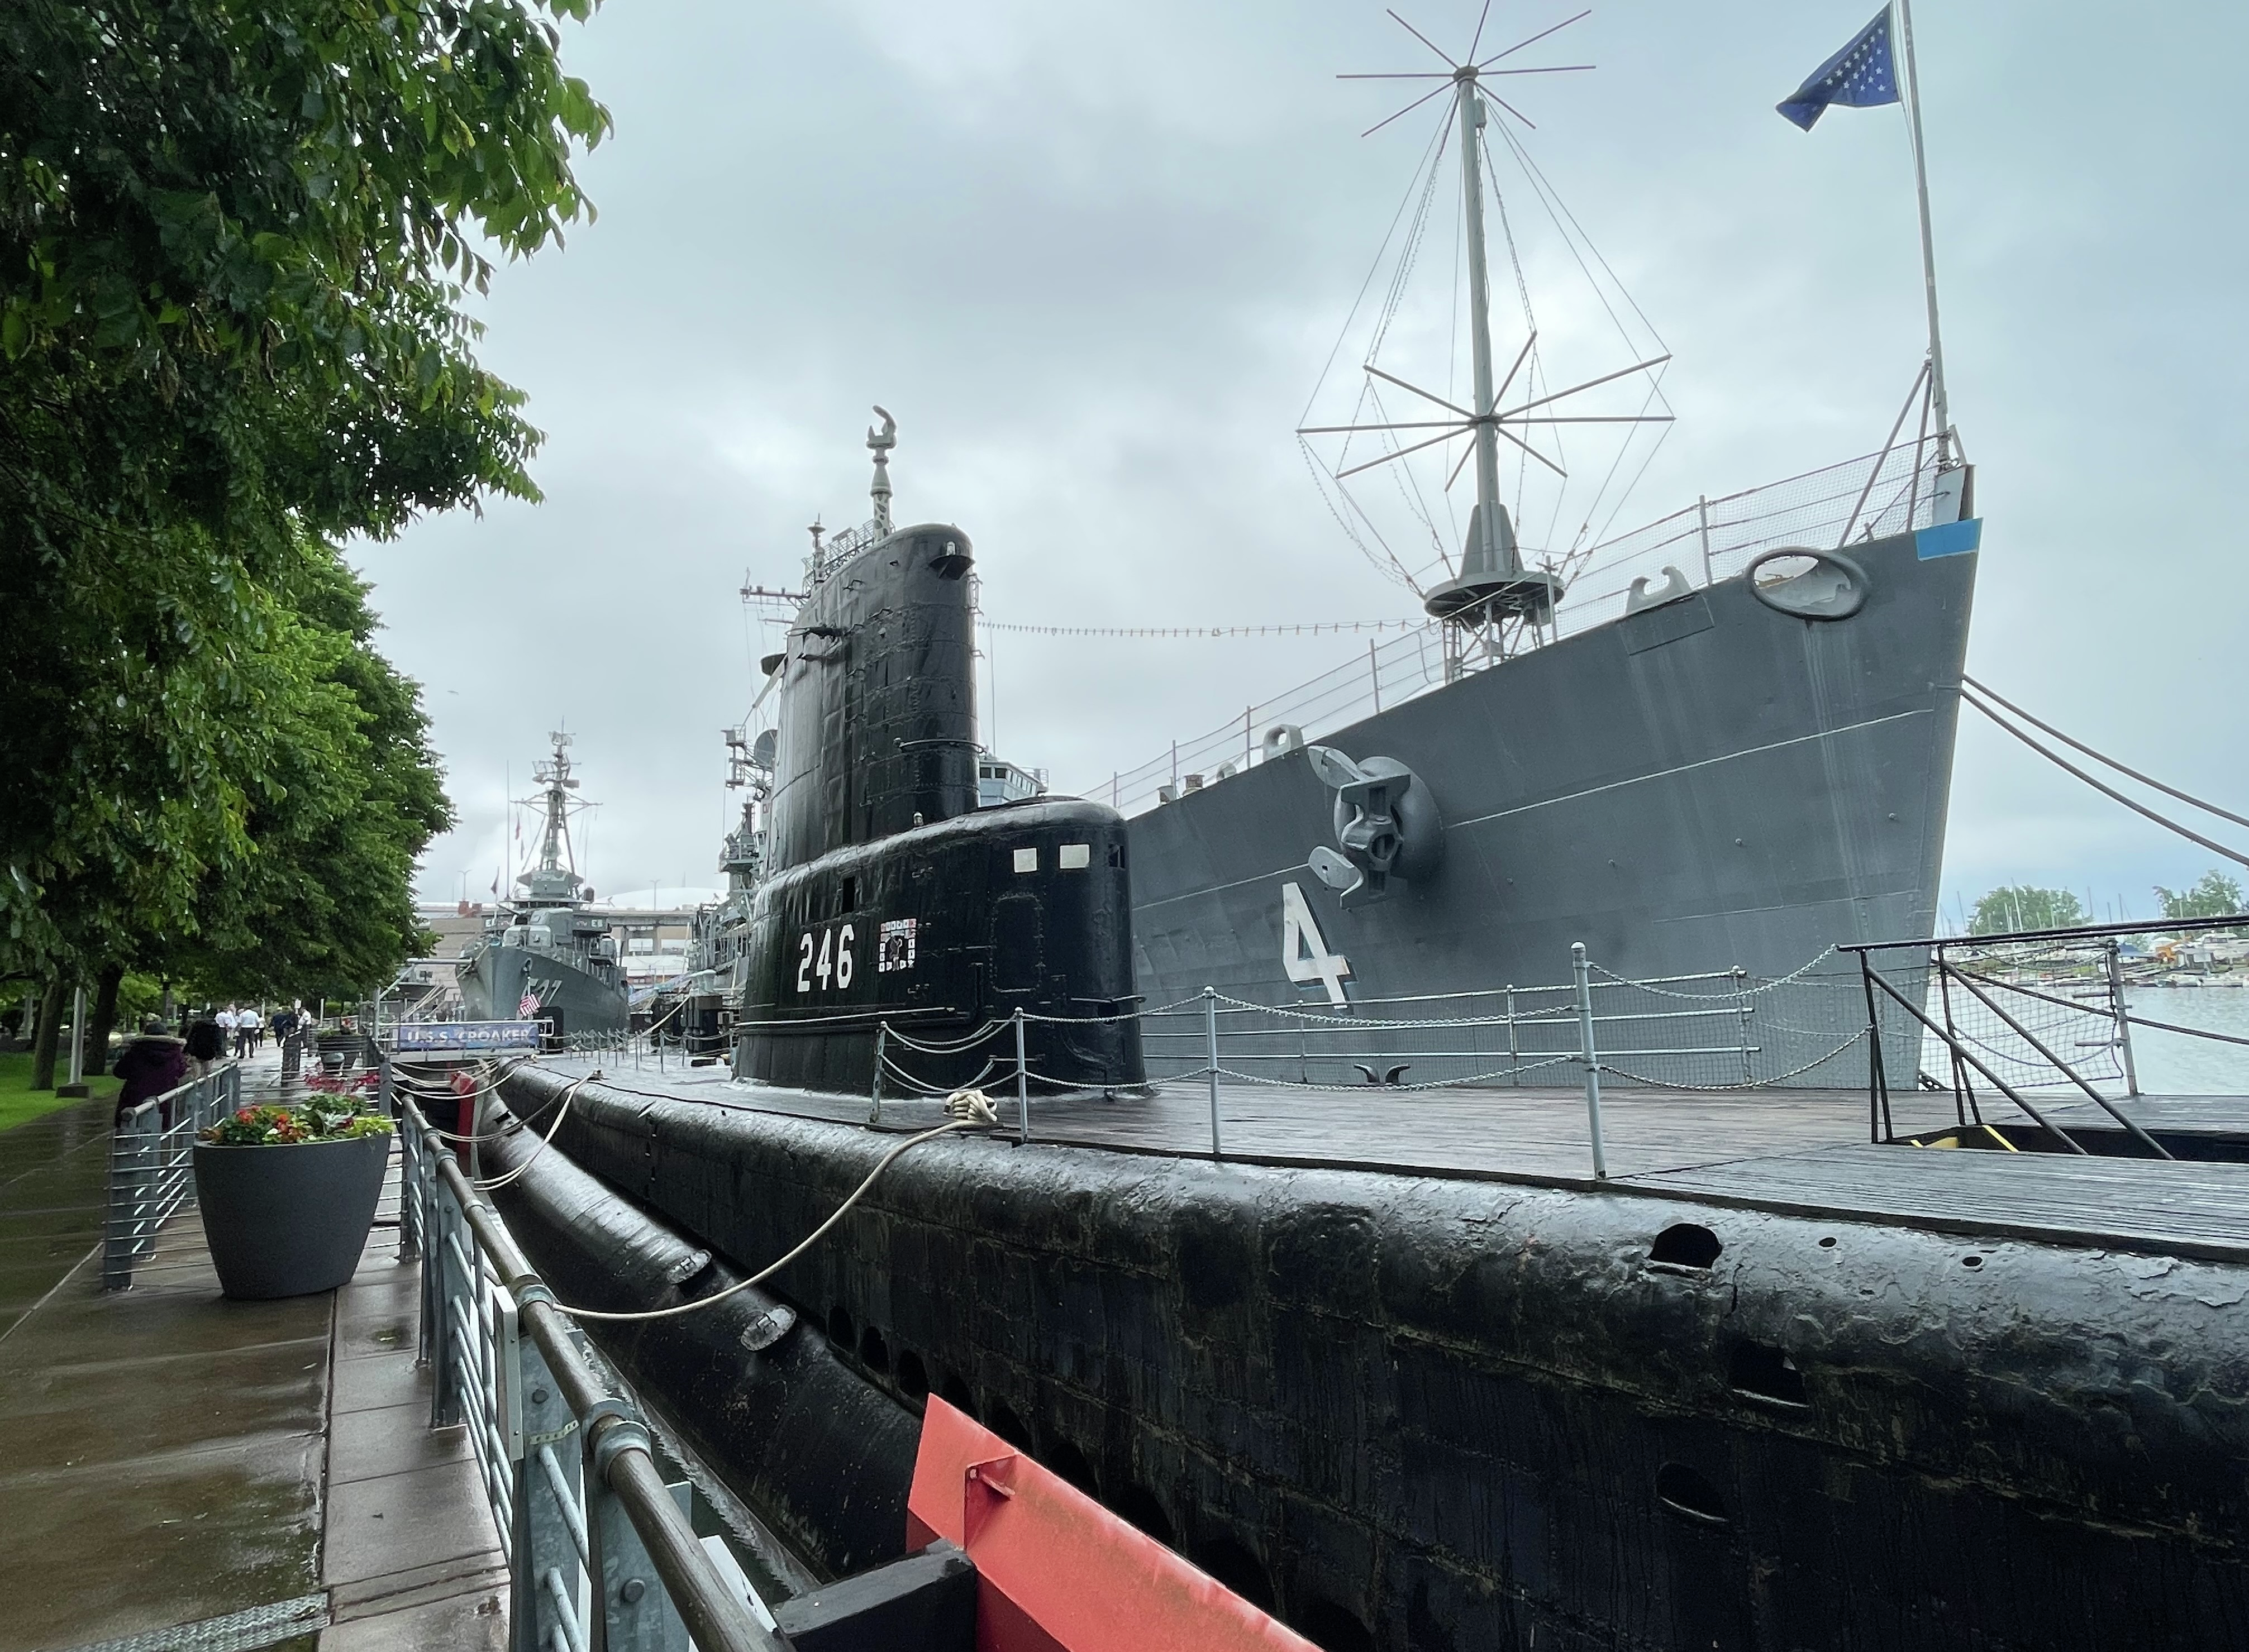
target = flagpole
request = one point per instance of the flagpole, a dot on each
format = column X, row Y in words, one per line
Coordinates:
column 1928, row 243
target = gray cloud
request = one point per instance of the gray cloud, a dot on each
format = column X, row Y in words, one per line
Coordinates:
column 1093, row 258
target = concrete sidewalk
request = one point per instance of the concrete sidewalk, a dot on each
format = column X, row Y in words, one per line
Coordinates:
column 261, row 1473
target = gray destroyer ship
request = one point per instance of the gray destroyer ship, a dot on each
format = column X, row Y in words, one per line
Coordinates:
column 544, row 955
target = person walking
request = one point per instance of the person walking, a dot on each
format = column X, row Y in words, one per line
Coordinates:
column 230, row 1030
column 288, row 1026
column 152, row 1065
column 253, row 1029
column 206, row 1042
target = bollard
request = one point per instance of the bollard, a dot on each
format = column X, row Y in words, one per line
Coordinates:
column 1022, row 1083
column 1210, row 1046
column 1582, row 970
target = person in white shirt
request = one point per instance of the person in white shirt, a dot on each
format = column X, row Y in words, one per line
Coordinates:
column 252, row 1028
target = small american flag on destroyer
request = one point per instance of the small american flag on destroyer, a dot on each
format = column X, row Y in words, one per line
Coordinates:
column 528, row 1008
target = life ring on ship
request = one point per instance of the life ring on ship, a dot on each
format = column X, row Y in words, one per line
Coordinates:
column 1834, row 588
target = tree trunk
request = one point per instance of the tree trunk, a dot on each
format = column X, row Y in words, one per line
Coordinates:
column 105, row 1018
column 44, row 1041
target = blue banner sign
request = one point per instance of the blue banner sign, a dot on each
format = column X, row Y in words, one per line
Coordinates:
column 466, row 1035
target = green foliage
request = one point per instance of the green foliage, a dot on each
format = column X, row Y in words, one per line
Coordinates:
column 320, row 904
column 2214, row 895
column 234, row 238
column 2023, row 906
column 283, row 1127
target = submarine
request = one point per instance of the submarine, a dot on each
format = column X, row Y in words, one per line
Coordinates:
column 1424, row 1409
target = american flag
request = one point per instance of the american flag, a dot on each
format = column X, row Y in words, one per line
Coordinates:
column 528, row 1008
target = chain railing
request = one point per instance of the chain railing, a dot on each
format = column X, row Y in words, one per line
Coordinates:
column 151, row 1166
column 600, row 1551
column 1711, row 540
column 1718, row 1031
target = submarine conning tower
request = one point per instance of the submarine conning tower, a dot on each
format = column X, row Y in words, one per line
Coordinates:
column 878, row 700
column 895, row 895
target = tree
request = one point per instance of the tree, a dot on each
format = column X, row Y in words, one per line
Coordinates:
column 2019, row 906
column 321, row 903
column 2214, row 895
column 234, row 239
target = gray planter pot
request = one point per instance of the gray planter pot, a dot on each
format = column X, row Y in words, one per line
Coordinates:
column 288, row 1221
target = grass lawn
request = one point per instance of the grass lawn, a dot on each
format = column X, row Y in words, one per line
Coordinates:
column 19, row 1103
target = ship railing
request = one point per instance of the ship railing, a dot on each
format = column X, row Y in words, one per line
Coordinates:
column 1713, row 1031
column 151, row 1166
column 599, row 1546
column 1714, row 539
column 2016, row 1023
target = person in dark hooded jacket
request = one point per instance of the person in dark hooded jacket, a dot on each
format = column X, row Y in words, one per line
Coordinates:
column 205, row 1042
column 151, row 1065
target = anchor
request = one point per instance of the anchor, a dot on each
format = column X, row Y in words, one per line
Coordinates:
column 1385, row 823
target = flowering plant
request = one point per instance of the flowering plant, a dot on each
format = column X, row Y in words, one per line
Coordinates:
column 278, row 1127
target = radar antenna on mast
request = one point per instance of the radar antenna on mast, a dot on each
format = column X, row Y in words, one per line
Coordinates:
column 1492, row 583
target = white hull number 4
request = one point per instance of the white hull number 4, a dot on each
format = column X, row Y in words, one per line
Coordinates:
column 1305, row 955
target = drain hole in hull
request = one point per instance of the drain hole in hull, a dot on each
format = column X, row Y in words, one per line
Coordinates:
column 1685, row 1245
column 913, row 1378
column 1766, row 1374
column 1685, row 1492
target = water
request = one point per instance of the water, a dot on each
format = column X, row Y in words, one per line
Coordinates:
column 2173, row 1064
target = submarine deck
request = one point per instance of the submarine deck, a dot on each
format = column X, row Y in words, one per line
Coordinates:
column 1795, row 1152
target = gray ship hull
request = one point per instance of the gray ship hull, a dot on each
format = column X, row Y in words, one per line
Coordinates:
column 1706, row 785
column 496, row 983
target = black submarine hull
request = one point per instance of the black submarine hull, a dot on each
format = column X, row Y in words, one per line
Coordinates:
column 1415, row 1412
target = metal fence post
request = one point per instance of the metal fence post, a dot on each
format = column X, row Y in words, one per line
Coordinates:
column 446, row 1242
column 549, row 1538
column 882, row 1038
column 633, row 1612
column 1747, row 1007
column 1210, row 1049
column 1514, row 1053
column 1022, row 1083
column 2123, row 1016
column 1581, row 968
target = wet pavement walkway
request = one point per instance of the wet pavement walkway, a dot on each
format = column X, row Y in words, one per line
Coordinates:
column 189, row 1471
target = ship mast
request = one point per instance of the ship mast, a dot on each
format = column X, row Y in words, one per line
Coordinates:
column 555, row 774
column 1492, row 584
column 1492, row 545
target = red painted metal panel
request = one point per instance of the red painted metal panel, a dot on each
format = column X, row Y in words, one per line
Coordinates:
column 1055, row 1572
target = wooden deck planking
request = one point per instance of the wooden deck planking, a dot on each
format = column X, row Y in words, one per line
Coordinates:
column 1800, row 1152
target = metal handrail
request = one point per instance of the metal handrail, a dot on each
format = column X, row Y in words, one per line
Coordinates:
column 478, row 1297
column 151, row 1165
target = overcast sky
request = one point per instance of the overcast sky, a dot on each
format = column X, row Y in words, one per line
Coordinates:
column 1094, row 258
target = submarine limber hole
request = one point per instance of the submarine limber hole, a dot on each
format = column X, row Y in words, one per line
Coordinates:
column 956, row 1392
column 1140, row 1509
column 874, row 1352
column 1070, row 1464
column 1684, row 1492
column 1332, row 1627
column 1828, row 1243
column 1764, row 1373
column 1971, row 1261
column 1233, row 1563
column 913, row 1376
column 1685, row 1245
column 1009, row 1426
column 840, row 1331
